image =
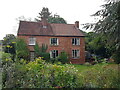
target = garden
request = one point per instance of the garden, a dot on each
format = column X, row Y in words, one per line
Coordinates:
column 42, row 74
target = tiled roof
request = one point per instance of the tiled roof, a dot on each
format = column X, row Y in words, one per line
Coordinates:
column 36, row 28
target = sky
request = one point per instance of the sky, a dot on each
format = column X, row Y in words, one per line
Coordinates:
column 70, row 10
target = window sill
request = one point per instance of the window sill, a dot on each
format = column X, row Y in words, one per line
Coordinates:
column 76, row 45
column 54, row 45
column 31, row 44
column 75, row 57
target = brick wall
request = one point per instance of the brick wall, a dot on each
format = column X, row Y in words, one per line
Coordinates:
column 65, row 43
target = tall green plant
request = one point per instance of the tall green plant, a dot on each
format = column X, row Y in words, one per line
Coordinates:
column 21, row 49
column 41, row 51
column 37, row 50
column 43, row 48
column 63, row 57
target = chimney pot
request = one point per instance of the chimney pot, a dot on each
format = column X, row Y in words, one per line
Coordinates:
column 77, row 24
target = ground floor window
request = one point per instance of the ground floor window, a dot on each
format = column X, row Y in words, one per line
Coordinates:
column 75, row 54
column 53, row 53
column 32, row 56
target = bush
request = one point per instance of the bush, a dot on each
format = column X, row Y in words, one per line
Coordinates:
column 41, row 52
column 39, row 74
column 63, row 58
column 101, row 77
column 116, row 57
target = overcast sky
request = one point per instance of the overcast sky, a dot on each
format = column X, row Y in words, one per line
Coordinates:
column 70, row 10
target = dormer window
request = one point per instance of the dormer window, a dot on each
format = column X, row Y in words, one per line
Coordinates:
column 32, row 41
column 44, row 26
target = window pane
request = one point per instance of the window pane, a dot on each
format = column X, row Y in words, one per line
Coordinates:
column 54, row 41
column 75, row 41
column 75, row 53
column 32, row 41
column 54, row 53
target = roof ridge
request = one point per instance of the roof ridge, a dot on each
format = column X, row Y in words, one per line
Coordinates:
column 30, row 21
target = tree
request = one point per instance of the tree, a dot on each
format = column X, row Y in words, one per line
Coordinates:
column 21, row 49
column 51, row 19
column 109, row 25
column 41, row 52
column 63, row 57
column 56, row 19
column 96, row 44
column 9, row 44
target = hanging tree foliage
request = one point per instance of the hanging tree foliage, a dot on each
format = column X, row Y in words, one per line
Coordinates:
column 109, row 25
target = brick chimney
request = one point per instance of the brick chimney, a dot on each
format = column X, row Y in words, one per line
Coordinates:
column 44, row 22
column 77, row 24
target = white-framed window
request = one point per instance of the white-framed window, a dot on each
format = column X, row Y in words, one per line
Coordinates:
column 44, row 26
column 32, row 41
column 75, row 53
column 32, row 56
column 75, row 41
column 53, row 53
column 54, row 41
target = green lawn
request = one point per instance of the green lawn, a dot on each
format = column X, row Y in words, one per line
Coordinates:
column 82, row 68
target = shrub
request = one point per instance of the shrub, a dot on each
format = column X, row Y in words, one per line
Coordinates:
column 63, row 57
column 21, row 49
column 39, row 74
column 41, row 52
column 101, row 77
column 6, row 57
column 116, row 57
column 87, row 64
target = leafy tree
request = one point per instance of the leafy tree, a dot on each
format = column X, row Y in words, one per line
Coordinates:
column 41, row 51
column 9, row 44
column 63, row 57
column 109, row 25
column 51, row 19
column 56, row 19
column 96, row 44
column 37, row 50
column 21, row 49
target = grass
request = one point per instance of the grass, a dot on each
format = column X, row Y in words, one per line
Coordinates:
column 81, row 68
column 99, row 66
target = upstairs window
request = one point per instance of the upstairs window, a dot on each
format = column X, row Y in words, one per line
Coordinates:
column 44, row 26
column 54, row 41
column 53, row 53
column 75, row 54
column 32, row 41
column 75, row 41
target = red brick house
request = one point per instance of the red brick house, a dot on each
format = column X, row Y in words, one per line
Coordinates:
column 58, row 37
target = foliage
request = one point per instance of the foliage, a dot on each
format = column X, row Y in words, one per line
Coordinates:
column 96, row 44
column 21, row 49
column 8, row 44
column 51, row 19
column 39, row 74
column 5, row 57
column 116, row 56
column 41, row 51
column 56, row 19
column 109, row 24
column 37, row 50
column 44, row 13
column 101, row 77
column 43, row 48
column 63, row 57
